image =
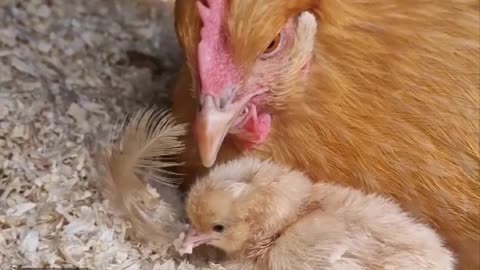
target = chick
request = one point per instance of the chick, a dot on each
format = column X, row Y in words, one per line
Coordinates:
column 268, row 216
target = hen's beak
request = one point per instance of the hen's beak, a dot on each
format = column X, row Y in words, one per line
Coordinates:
column 212, row 125
column 194, row 239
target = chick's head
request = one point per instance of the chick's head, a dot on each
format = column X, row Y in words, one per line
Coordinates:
column 216, row 220
column 217, row 207
column 239, row 200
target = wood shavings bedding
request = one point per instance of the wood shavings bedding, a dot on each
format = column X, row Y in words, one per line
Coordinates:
column 64, row 81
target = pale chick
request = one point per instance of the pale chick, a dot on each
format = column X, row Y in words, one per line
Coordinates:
column 267, row 216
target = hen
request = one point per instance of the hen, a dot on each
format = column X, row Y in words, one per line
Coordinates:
column 266, row 216
column 377, row 95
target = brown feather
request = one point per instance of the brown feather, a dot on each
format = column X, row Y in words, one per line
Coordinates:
column 143, row 155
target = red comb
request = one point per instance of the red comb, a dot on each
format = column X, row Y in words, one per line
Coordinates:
column 215, row 65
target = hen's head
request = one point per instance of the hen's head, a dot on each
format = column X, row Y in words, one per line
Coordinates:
column 246, row 57
column 243, row 199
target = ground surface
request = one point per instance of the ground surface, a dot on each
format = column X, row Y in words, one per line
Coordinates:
column 65, row 78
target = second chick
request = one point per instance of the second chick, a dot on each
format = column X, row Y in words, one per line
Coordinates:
column 267, row 216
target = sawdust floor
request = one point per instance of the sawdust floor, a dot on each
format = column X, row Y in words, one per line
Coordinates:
column 67, row 74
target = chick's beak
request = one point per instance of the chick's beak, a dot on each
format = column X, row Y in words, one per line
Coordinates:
column 212, row 125
column 194, row 239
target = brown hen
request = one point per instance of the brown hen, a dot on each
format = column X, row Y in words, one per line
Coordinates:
column 377, row 95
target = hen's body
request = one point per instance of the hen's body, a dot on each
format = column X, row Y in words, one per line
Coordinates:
column 391, row 105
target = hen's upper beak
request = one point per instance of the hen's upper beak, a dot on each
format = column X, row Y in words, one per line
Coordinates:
column 212, row 125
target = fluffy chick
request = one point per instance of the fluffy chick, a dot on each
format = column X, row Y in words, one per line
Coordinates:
column 268, row 216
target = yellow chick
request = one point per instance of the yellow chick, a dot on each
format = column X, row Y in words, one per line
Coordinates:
column 268, row 216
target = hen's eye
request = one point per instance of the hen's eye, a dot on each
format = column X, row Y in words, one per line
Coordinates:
column 273, row 45
column 244, row 112
column 218, row 228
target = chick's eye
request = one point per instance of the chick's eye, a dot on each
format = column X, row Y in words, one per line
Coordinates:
column 272, row 47
column 218, row 228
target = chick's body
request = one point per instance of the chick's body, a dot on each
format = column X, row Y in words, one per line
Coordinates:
column 276, row 218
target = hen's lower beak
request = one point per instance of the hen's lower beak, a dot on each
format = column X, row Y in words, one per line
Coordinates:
column 212, row 125
column 194, row 239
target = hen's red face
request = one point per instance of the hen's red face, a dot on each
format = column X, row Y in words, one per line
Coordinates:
column 234, row 101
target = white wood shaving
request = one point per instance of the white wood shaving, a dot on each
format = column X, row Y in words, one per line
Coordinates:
column 20, row 209
column 64, row 82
